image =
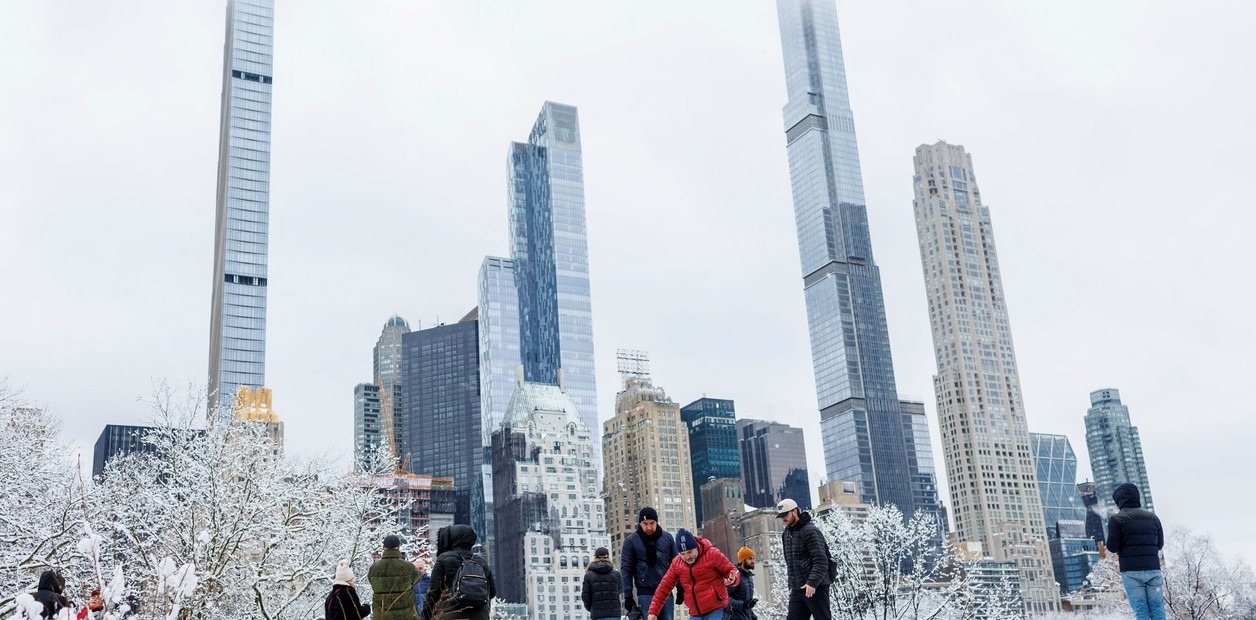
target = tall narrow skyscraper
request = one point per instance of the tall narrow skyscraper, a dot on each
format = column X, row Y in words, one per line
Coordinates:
column 387, row 374
column 985, row 436
column 370, row 449
column 499, row 365
column 712, row 426
column 550, row 251
column 1116, row 450
column 863, row 428
column 237, row 347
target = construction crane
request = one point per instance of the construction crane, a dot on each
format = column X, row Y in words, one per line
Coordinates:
column 401, row 466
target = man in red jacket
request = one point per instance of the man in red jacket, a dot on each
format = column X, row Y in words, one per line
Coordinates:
column 704, row 575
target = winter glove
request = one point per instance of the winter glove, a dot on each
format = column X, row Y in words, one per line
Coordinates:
column 629, row 604
column 680, row 594
column 365, row 611
column 751, row 603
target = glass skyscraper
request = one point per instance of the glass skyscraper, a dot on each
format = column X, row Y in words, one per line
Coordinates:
column 237, row 351
column 549, row 248
column 387, row 373
column 773, row 463
column 368, row 430
column 985, row 434
column 712, row 425
column 499, row 363
column 1056, row 466
column 866, row 436
column 440, row 389
column 1116, row 450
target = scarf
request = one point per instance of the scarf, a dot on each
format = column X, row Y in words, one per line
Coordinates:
column 651, row 545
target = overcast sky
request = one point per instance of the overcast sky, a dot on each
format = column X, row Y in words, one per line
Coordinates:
column 1113, row 141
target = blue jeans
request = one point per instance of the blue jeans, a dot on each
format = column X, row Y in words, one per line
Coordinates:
column 1145, row 589
column 669, row 608
column 713, row 615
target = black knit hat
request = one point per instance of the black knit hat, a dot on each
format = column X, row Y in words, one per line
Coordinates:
column 391, row 541
column 647, row 513
column 602, row 552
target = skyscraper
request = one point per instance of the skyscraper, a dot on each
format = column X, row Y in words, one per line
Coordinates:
column 1072, row 552
column 1056, row 466
column 645, row 451
column 387, row 373
column 773, row 463
column 237, row 347
column 861, row 420
column 1116, row 451
column 117, row 440
column 712, row 427
column 549, row 248
column 546, row 491
column 985, row 436
column 440, row 387
column 370, row 443
column 499, row 363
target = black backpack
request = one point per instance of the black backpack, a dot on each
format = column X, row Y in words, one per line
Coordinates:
column 470, row 589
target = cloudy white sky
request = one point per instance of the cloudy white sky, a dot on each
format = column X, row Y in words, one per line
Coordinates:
column 1113, row 141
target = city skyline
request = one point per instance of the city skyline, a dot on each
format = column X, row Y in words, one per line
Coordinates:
column 686, row 339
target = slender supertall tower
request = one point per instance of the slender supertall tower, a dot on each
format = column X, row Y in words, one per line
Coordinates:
column 868, row 439
column 1116, row 450
column 985, row 436
column 550, row 252
column 237, row 347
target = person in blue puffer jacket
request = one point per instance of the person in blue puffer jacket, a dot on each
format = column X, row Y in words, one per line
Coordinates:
column 1135, row 535
column 644, row 560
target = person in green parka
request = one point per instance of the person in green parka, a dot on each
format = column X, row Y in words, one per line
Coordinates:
column 392, row 581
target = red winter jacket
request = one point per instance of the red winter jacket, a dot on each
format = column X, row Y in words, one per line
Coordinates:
column 703, row 581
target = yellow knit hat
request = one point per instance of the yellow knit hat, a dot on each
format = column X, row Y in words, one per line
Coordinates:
column 744, row 554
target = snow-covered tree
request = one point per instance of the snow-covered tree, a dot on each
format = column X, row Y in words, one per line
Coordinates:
column 1201, row 584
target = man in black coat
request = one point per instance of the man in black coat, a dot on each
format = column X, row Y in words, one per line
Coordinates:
column 1135, row 535
column 741, row 598
column 644, row 560
column 806, row 562
column 453, row 546
column 600, row 591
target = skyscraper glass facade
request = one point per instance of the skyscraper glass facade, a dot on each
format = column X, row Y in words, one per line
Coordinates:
column 549, row 248
column 441, row 404
column 712, row 425
column 238, row 316
column 499, row 361
column 863, row 427
column 1056, row 465
column 985, row 434
column 1116, row 450
column 387, row 374
column 773, row 463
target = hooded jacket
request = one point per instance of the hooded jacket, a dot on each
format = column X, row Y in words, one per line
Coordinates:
column 49, row 593
column 702, row 581
column 453, row 547
column 600, row 591
column 806, row 553
column 739, row 595
column 634, row 567
column 1134, row 533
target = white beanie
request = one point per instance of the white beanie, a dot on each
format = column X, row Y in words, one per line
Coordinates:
column 343, row 574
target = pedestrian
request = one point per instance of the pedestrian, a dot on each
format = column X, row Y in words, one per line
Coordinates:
column 342, row 602
column 646, row 556
column 420, row 588
column 703, row 574
column 392, row 583
column 462, row 584
column 806, row 563
column 601, row 589
column 51, row 593
column 741, row 599
column 1135, row 535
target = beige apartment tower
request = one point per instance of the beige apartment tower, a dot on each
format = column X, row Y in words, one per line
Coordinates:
column 645, row 459
column 985, row 435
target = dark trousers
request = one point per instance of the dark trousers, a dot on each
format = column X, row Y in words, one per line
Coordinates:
column 802, row 608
